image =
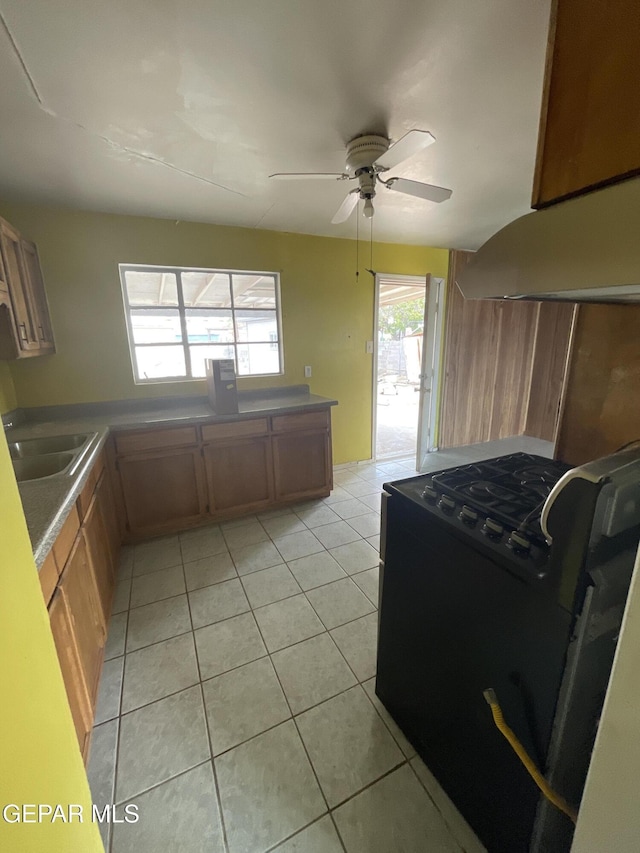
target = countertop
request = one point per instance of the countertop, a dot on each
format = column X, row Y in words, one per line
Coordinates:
column 48, row 502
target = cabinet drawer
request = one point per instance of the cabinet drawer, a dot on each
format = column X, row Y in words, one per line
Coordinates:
column 235, row 429
column 64, row 542
column 48, row 575
column 302, row 420
column 139, row 441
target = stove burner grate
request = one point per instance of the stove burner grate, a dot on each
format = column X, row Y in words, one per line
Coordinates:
column 510, row 488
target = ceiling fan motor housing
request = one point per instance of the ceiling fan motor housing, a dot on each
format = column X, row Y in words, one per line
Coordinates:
column 363, row 151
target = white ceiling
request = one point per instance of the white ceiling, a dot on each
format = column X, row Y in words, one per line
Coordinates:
column 154, row 107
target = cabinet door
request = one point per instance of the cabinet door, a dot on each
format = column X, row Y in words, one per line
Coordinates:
column 9, row 347
column 302, row 463
column 38, row 297
column 590, row 119
column 162, row 491
column 4, row 284
column 239, row 474
column 106, row 499
column 17, row 277
column 65, row 640
column 96, row 537
column 79, row 591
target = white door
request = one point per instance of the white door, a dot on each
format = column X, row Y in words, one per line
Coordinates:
column 405, row 335
column 429, row 371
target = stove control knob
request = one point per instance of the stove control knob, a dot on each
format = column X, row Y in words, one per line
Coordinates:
column 519, row 544
column 430, row 494
column 447, row 504
column 468, row 516
column 492, row 529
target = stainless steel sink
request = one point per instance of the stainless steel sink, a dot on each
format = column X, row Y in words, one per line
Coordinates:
column 37, row 467
column 56, row 455
column 53, row 444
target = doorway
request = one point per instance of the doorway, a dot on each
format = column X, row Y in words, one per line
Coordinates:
column 407, row 332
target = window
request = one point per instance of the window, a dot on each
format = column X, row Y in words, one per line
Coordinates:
column 177, row 318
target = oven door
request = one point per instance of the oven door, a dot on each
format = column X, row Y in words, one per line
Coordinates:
column 452, row 623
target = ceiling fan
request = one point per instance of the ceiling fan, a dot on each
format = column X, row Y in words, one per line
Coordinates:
column 368, row 157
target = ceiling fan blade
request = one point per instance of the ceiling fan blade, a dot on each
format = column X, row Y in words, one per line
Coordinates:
column 404, row 148
column 346, row 208
column 296, row 176
column 430, row 192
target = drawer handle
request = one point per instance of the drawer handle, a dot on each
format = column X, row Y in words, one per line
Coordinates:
column 42, row 337
column 23, row 332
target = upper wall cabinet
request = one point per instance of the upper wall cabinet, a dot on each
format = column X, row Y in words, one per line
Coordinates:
column 590, row 122
column 25, row 326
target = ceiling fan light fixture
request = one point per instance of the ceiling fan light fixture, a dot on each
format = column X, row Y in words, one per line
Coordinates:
column 368, row 209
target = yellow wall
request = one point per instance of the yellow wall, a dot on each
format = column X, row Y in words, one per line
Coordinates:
column 327, row 314
column 7, row 390
column 39, row 757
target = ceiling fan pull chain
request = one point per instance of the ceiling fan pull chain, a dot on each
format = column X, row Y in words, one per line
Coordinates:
column 371, row 243
column 357, row 248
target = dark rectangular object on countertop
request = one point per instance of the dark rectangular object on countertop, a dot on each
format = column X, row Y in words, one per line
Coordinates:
column 221, row 382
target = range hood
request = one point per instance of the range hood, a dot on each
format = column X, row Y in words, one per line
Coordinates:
column 586, row 249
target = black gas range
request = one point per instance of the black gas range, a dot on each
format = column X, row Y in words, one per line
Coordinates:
column 496, row 503
column 511, row 573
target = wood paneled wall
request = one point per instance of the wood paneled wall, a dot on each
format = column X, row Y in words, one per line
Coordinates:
column 493, row 350
column 548, row 368
column 601, row 409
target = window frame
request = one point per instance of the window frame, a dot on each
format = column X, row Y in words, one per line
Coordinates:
column 182, row 314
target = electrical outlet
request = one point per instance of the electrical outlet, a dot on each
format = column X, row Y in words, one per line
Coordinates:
column 307, row 371
column 369, row 347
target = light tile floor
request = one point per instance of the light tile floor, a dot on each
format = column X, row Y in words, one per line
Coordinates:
column 237, row 705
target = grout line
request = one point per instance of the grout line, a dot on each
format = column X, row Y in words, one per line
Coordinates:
column 119, row 715
column 340, row 839
column 154, row 571
column 206, row 723
column 298, row 831
column 370, row 784
column 300, row 738
column 163, row 782
column 449, row 826
column 185, row 563
column 284, row 598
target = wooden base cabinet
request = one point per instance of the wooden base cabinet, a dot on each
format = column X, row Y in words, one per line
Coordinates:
column 239, row 474
column 302, row 464
column 64, row 637
column 163, row 490
column 79, row 632
column 189, row 475
column 77, row 580
column 96, row 537
column 302, row 454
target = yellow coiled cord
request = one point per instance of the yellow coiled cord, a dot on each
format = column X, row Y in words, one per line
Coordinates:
column 520, row 751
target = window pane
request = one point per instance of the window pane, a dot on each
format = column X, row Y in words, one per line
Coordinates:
column 206, row 326
column 254, row 291
column 256, row 325
column 199, row 353
column 151, row 288
column 160, row 362
column 206, row 289
column 155, row 327
column 257, row 358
